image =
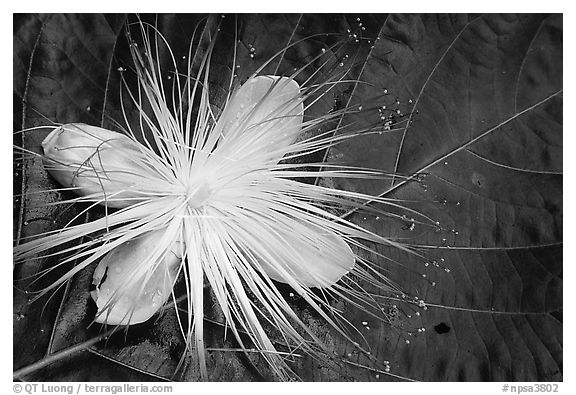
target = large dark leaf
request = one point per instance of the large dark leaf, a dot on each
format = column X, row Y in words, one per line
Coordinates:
column 483, row 132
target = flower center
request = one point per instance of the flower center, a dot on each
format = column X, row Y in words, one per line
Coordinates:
column 198, row 194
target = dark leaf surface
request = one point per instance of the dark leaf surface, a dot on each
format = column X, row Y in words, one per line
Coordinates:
column 483, row 94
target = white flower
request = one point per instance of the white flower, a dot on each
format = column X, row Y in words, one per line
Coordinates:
column 211, row 200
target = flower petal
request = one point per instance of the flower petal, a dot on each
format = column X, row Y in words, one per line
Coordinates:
column 262, row 119
column 134, row 280
column 107, row 166
column 315, row 258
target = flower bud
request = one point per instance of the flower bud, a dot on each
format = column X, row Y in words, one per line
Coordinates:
column 101, row 165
